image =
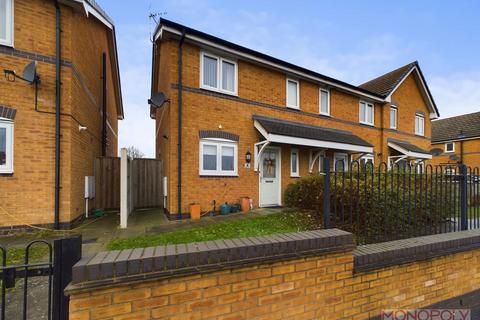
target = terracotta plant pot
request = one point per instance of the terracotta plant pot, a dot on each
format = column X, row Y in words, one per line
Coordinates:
column 195, row 211
column 245, row 204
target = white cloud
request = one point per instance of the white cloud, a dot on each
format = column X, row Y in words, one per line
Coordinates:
column 456, row 94
column 355, row 62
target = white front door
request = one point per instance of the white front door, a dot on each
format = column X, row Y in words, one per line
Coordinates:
column 270, row 177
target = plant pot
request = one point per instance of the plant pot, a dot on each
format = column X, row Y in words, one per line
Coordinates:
column 225, row 209
column 195, row 211
column 245, row 204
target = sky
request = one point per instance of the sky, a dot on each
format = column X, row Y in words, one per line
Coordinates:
column 353, row 41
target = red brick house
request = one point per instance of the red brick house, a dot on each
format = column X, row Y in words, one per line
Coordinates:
column 232, row 122
column 52, row 128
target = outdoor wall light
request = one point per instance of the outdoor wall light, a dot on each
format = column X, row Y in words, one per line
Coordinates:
column 248, row 157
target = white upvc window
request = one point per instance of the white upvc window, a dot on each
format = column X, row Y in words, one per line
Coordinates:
column 393, row 117
column 340, row 162
column 450, row 147
column 6, row 146
column 6, row 22
column 293, row 94
column 218, row 157
column 218, row 74
column 366, row 159
column 419, row 125
column 294, row 163
column 367, row 113
column 325, row 102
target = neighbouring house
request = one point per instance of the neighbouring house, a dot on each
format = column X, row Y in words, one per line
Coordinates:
column 232, row 122
column 59, row 114
column 456, row 140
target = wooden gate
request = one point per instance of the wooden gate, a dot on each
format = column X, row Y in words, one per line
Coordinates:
column 107, row 183
column 146, row 183
column 144, row 187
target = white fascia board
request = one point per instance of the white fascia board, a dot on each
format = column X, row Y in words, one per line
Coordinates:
column 433, row 115
column 265, row 62
column 261, row 129
column 318, row 143
column 89, row 9
column 409, row 154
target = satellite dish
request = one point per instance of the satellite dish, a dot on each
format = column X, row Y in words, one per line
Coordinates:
column 453, row 157
column 436, row 151
column 30, row 73
column 158, row 99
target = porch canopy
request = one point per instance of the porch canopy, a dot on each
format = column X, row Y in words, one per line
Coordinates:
column 301, row 134
column 407, row 151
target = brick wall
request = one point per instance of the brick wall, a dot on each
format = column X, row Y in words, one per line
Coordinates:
column 28, row 194
column 471, row 153
column 261, row 91
column 311, row 275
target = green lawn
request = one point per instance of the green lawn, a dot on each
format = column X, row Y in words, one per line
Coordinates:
column 254, row 226
column 17, row 255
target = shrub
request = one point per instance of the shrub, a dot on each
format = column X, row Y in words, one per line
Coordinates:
column 389, row 205
column 305, row 194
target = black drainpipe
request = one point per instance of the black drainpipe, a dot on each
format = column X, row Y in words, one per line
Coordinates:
column 104, row 105
column 179, row 145
column 57, row 114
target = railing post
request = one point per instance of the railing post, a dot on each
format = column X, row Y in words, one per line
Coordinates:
column 463, row 197
column 66, row 252
column 326, row 193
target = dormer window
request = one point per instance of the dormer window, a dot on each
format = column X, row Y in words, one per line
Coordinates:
column 217, row 73
column 6, row 22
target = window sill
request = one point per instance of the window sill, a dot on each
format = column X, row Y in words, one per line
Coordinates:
column 297, row 176
column 218, row 176
column 4, row 44
column 420, row 135
column 367, row 124
column 325, row 115
column 293, row 108
column 228, row 93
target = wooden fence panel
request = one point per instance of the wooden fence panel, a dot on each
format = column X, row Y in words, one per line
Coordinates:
column 107, row 183
column 147, row 183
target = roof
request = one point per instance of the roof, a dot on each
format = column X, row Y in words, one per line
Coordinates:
column 450, row 128
column 407, row 146
column 386, row 83
column 250, row 52
column 301, row 130
column 97, row 7
column 377, row 89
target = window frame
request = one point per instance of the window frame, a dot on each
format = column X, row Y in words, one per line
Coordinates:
column 453, row 147
column 297, row 167
column 320, row 101
column 366, row 158
column 417, row 132
column 394, row 108
column 7, row 168
column 366, row 112
column 220, row 61
column 8, row 41
column 346, row 160
column 297, row 107
column 219, row 143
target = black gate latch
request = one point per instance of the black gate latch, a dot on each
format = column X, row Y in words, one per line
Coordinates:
column 9, row 275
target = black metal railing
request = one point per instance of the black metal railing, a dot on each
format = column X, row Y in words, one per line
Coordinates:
column 383, row 203
column 56, row 270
